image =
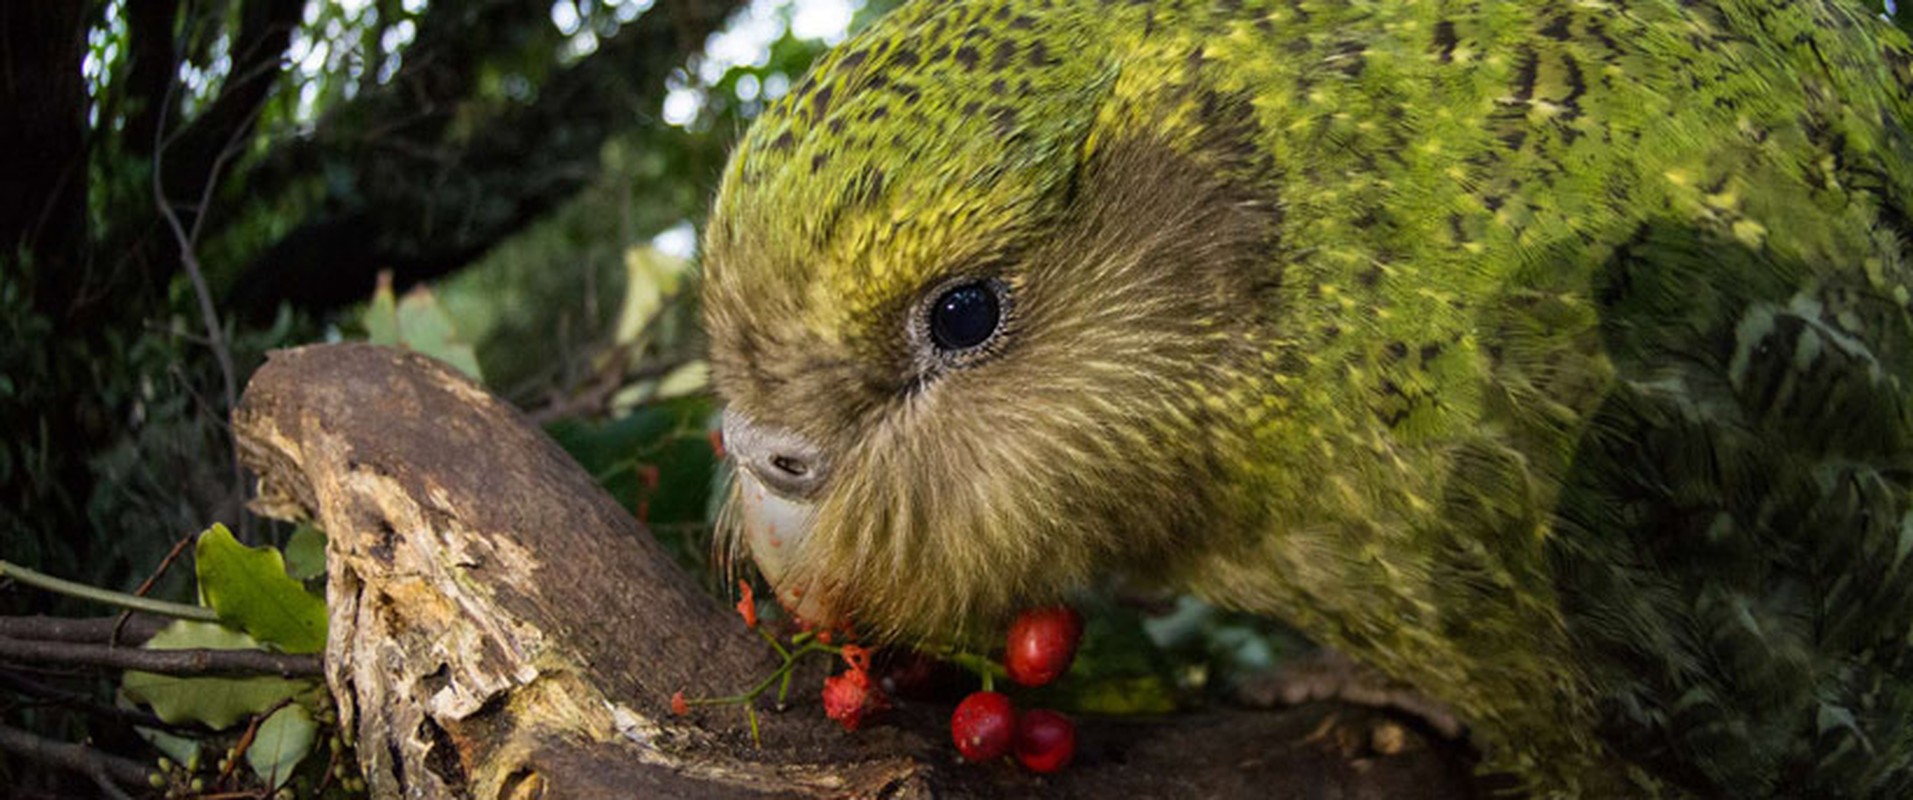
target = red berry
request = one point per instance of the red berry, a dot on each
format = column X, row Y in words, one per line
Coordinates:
column 983, row 726
column 849, row 697
column 1045, row 740
column 679, row 705
column 1042, row 642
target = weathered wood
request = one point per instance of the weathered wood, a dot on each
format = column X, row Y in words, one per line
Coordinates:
column 501, row 628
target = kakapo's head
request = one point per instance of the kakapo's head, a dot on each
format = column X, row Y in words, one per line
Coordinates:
column 984, row 330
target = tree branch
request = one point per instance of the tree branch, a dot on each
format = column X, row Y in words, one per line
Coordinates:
column 106, row 770
column 188, row 243
column 96, row 594
column 193, row 662
column 42, row 146
column 91, row 630
column 87, row 705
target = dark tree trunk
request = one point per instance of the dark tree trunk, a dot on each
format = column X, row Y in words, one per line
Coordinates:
column 43, row 142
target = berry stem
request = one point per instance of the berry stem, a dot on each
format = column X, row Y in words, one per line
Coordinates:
column 783, row 689
column 775, row 645
column 782, row 673
column 984, row 668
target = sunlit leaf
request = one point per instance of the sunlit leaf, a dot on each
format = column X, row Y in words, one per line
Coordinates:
column 425, row 327
column 417, row 323
column 650, row 276
column 250, row 590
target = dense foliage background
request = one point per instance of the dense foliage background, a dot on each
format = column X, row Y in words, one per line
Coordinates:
column 191, row 183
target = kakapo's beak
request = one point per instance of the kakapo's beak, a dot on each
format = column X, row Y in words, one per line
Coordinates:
column 778, row 477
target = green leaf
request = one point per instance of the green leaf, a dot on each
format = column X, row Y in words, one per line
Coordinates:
column 425, row 328
column 184, row 750
column 216, row 702
column 181, row 749
column 1832, row 716
column 418, row 323
column 650, row 277
column 283, row 740
column 1117, row 669
column 305, row 553
column 667, row 441
column 381, row 318
column 249, row 588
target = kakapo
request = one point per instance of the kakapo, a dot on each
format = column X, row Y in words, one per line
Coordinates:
column 1553, row 357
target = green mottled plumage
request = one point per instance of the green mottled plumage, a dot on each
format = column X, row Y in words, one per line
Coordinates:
column 1551, row 356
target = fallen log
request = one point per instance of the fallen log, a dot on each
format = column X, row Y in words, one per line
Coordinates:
column 501, row 628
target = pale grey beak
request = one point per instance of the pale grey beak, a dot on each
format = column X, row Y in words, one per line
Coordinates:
column 778, row 474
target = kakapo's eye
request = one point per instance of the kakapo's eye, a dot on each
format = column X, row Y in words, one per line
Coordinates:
column 965, row 316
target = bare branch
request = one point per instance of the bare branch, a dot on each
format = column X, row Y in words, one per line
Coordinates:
column 89, row 630
column 107, row 770
column 189, row 258
column 193, row 662
column 53, row 695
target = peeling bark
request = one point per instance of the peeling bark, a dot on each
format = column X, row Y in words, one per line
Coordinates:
column 501, row 628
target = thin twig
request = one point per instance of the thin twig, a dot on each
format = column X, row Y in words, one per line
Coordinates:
column 42, row 580
column 105, row 769
column 191, row 662
column 246, row 740
column 147, row 585
column 602, row 386
column 188, row 242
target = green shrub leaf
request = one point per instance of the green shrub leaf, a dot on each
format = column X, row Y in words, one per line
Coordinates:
column 216, row 702
column 305, row 553
column 250, row 590
column 282, row 742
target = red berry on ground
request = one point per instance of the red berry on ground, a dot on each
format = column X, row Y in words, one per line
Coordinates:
column 1042, row 643
column 983, row 726
column 850, row 697
column 679, row 705
column 1045, row 740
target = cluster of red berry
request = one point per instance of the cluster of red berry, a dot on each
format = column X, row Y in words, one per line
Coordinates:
column 986, row 725
column 851, row 695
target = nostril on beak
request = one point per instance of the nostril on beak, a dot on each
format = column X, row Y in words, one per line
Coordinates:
column 795, row 467
column 785, row 462
column 790, row 474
